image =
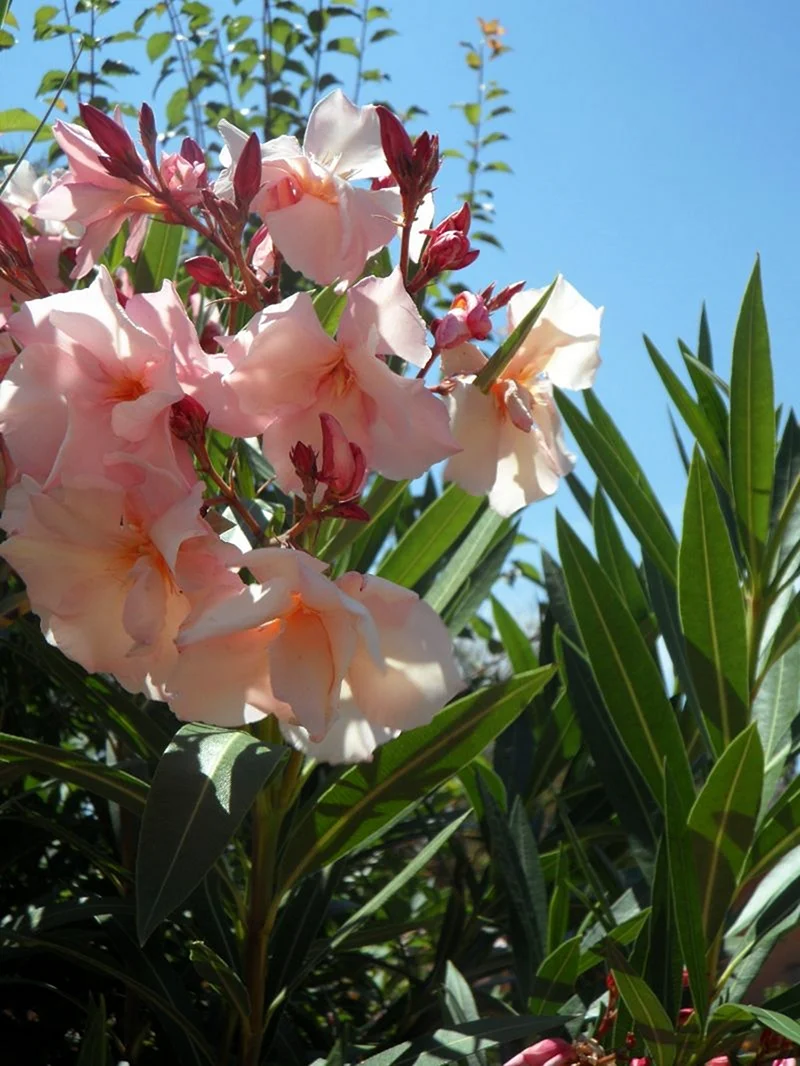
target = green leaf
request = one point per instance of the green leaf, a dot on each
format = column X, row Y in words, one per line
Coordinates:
column 691, row 412
column 382, row 495
column 329, row 305
column 614, row 559
column 629, row 491
column 775, row 708
column 157, row 45
column 779, row 833
column 556, row 977
column 368, row 797
column 114, row 785
column 508, row 349
column 465, row 560
column 203, row 786
column 752, row 421
column 708, row 396
column 779, row 1023
column 663, row 966
column 722, row 823
column 516, row 642
column 626, row 673
column 652, row 1021
column 618, row 772
column 455, row 1042
column 430, row 537
column 685, row 895
column 18, row 120
column 712, row 611
column 217, row 972
column 94, row 1049
column 459, row 1006
column 704, row 351
column 158, row 259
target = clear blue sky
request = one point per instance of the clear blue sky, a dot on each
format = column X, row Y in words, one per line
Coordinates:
column 655, row 150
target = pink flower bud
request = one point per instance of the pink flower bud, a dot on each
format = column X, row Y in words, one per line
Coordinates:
column 642, row 1060
column 550, row 1052
column 449, row 251
column 349, row 510
column 188, row 419
column 468, row 319
column 207, row 271
column 112, row 139
column 247, row 176
column 719, row 1060
column 459, row 221
column 494, row 303
column 343, row 464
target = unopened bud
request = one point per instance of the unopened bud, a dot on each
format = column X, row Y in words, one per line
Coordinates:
column 247, row 176
column 207, row 271
column 344, row 466
column 352, row 511
column 191, row 151
column 112, row 138
column 148, row 132
column 304, row 460
column 188, row 420
column 494, row 303
column 551, row 1052
column 449, row 251
column 468, row 319
column 397, row 146
column 12, row 236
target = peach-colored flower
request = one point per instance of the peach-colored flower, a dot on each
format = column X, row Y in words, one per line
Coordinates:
column 25, row 188
column 550, row 1052
column 288, row 372
column 513, row 447
column 88, row 382
column 323, row 225
column 112, row 571
column 344, row 666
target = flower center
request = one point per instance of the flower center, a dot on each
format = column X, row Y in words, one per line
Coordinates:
column 123, row 389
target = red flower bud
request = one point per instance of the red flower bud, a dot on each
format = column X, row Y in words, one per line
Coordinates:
column 350, row 510
column 304, row 460
column 12, row 236
column 207, row 271
column 188, row 419
column 449, row 251
column 148, row 132
column 247, row 176
column 494, row 303
column 397, row 146
column 113, row 139
column 344, row 466
column 191, row 151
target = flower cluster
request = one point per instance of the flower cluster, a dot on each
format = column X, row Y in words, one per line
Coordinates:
column 111, row 397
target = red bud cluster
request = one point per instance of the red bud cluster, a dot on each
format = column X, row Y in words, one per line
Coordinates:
column 414, row 165
column 16, row 265
column 188, row 420
column 448, row 248
column 121, row 159
column 206, row 271
column 342, row 472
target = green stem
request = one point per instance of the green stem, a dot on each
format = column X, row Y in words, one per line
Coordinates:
column 476, row 144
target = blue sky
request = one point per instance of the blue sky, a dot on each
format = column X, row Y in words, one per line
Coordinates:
column 655, row 150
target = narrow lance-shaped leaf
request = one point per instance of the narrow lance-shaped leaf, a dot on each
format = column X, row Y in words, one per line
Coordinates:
column 617, row 563
column 629, row 492
column 685, row 895
column 652, row 1021
column 775, row 708
column 712, row 611
column 371, row 796
column 508, row 349
column 556, row 977
column 158, row 259
column 722, row 823
column 752, row 421
column 625, row 671
column 203, row 786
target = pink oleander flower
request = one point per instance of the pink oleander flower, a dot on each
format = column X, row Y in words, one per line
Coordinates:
column 288, row 372
column 110, row 184
column 89, row 381
column 113, row 570
column 342, row 665
column 512, row 444
column 551, row 1052
column 468, row 319
column 25, row 188
column 323, row 225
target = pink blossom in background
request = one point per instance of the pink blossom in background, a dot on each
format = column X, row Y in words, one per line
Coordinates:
column 113, row 570
column 288, row 372
column 88, row 382
column 323, row 225
column 513, row 446
column 344, row 666
column 551, row 1052
column 25, row 188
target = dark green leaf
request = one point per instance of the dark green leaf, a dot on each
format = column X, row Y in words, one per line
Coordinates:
column 517, row 643
column 556, row 977
column 373, row 795
column 203, row 786
column 626, row 673
column 217, row 972
column 652, row 1021
column 453, row 1043
column 464, row 561
column 508, row 349
column 94, row 1049
column 752, row 422
column 712, row 611
column 722, row 823
column 158, row 259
